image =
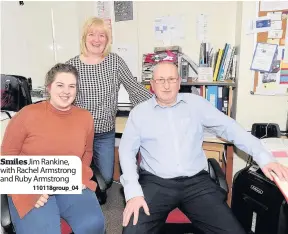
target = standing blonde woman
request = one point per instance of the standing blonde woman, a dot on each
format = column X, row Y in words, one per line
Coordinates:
column 100, row 75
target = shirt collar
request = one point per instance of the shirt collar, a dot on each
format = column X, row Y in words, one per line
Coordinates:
column 180, row 98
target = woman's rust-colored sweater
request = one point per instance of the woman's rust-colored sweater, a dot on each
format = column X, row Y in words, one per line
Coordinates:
column 41, row 129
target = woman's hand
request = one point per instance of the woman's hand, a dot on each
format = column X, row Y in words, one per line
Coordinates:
column 42, row 200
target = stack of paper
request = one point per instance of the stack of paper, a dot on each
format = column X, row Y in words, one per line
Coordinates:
column 277, row 146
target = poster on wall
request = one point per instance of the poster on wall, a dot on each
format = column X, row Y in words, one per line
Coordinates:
column 123, row 10
column 202, row 28
column 169, row 29
column 104, row 11
column 275, row 81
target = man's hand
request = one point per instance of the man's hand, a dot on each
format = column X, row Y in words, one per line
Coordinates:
column 280, row 170
column 133, row 206
column 42, row 200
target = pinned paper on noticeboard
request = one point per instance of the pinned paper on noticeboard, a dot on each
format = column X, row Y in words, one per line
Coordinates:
column 264, row 56
column 284, row 74
column 275, row 80
column 260, row 24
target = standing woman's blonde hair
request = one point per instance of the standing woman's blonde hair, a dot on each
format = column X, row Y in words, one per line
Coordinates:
column 97, row 23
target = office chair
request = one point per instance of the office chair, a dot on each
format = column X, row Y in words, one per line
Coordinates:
column 178, row 222
column 265, row 130
column 6, row 222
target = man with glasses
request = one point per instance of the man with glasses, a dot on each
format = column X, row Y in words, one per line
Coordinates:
column 168, row 129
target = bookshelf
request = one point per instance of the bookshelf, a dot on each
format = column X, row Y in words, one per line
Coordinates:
column 214, row 78
column 226, row 105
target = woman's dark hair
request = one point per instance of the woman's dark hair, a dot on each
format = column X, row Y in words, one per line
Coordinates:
column 60, row 67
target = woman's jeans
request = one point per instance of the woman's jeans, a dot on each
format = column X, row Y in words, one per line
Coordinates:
column 103, row 154
column 81, row 211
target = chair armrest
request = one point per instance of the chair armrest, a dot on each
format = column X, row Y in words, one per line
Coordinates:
column 101, row 184
column 5, row 213
column 217, row 174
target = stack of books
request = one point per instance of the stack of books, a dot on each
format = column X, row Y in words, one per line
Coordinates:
column 224, row 63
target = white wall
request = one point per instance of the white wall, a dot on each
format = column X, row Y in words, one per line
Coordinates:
column 140, row 31
column 27, row 37
column 25, row 44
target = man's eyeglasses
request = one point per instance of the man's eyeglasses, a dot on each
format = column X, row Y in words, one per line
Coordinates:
column 169, row 80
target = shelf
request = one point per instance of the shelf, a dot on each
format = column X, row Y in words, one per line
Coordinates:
column 189, row 83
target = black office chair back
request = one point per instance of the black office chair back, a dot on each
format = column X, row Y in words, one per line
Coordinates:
column 15, row 92
column 265, row 130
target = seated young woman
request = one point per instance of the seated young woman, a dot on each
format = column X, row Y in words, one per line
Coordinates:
column 55, row 127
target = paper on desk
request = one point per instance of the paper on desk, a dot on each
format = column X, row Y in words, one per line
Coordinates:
column 273, row 5
column 277, row 146
column 263, row 57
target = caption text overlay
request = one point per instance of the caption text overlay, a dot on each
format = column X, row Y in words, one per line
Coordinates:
column 40, row 175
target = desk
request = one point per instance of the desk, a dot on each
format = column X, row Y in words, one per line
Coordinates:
column 227, row 163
